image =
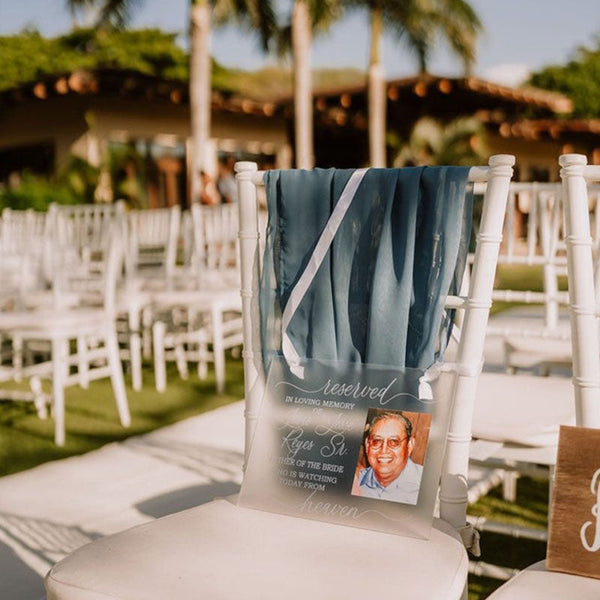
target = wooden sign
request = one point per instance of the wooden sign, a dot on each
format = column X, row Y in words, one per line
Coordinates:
column 574, row 533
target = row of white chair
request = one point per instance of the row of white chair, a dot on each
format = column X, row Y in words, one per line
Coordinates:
column 107, row 267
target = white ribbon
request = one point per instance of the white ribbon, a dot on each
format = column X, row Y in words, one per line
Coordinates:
column 470, row 537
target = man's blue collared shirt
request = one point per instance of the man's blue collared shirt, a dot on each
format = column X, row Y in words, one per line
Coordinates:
column 405, row 488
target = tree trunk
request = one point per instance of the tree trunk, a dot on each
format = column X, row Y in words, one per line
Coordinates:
column 200, row 91
column 303, row 109
column 377, row 94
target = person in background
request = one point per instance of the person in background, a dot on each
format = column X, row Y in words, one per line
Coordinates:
column 226, row 184
column 209, row 194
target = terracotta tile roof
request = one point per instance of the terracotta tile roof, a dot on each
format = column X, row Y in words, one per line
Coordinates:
column 422, row 85
column 129, row 83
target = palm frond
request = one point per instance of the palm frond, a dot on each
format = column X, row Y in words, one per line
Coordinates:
column 324, row 13
column 283, row 40
column 458, row 23
column 420, row 23
column 256, row 15
column 117, row 13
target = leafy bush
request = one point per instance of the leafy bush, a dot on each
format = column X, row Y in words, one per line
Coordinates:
column 36, row 192
column 75, row 184
column 579, row 79
column 28, row 56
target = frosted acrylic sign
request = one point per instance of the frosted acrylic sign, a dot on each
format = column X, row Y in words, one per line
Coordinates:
column 353, row 444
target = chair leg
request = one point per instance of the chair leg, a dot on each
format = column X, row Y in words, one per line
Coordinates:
column 181, row 360
column 39, row 398
column 17, row 358
column 203, row 355
column 135, row 350
column 160, row 369
column 59, row 371
column 147, row 318
column 509, row 486
column 218, row 348
column 116, row 378
column 83, row 364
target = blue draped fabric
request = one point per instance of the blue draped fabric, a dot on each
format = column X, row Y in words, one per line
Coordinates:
column 378, row 296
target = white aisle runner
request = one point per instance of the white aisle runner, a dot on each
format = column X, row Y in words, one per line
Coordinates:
column 49, row 511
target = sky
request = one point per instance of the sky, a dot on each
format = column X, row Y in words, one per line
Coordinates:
column 519, row 35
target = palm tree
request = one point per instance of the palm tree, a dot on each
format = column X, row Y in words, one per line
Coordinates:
column 419, row 23
column 308, row 17
column 302, row 85
column 258, row 15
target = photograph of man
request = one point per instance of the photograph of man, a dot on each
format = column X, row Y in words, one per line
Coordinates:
column 390, row 473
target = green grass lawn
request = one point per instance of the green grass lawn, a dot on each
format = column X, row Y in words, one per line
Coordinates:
column 92, row 419
column 530, row 510
column 520, row 277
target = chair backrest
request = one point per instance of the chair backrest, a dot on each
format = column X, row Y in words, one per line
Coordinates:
column 78, row 251
column 538, row 243
column 86, row 227
column 576, row 174
column 152, row 238
column 215, row 235
column 453, row 491
column 22, row 240
column 20, row 230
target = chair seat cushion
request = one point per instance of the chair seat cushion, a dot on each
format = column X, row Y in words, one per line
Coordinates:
column 528, row 352
column 219, row 550
column 200, row 299
column 45, row 323
column 522, row 409
column 537, row 583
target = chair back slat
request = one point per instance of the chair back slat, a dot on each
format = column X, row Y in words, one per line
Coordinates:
column 254, row 376
column 152, row 239
column 453, row 487
column 23, row 235
column 582, row 294
column 215, row 236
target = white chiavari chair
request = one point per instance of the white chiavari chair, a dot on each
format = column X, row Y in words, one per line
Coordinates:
column 518, row 413
column 272, row 554
column 536, row 582
column 93, row 327
column 198, row 321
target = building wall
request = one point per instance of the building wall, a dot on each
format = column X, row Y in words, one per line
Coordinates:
column 57, row 120
column 85, row 125
column 63, row 120
column 230, row 132
column 535, row 156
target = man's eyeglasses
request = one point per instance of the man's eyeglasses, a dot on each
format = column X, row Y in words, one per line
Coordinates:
column 377, row 442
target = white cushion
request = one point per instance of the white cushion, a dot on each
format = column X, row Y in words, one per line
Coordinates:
column 522, row 409
column 536, row 583
column 528, row 352
column 220, row 550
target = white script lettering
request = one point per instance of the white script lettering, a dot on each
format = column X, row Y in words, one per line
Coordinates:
column 595, row 545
